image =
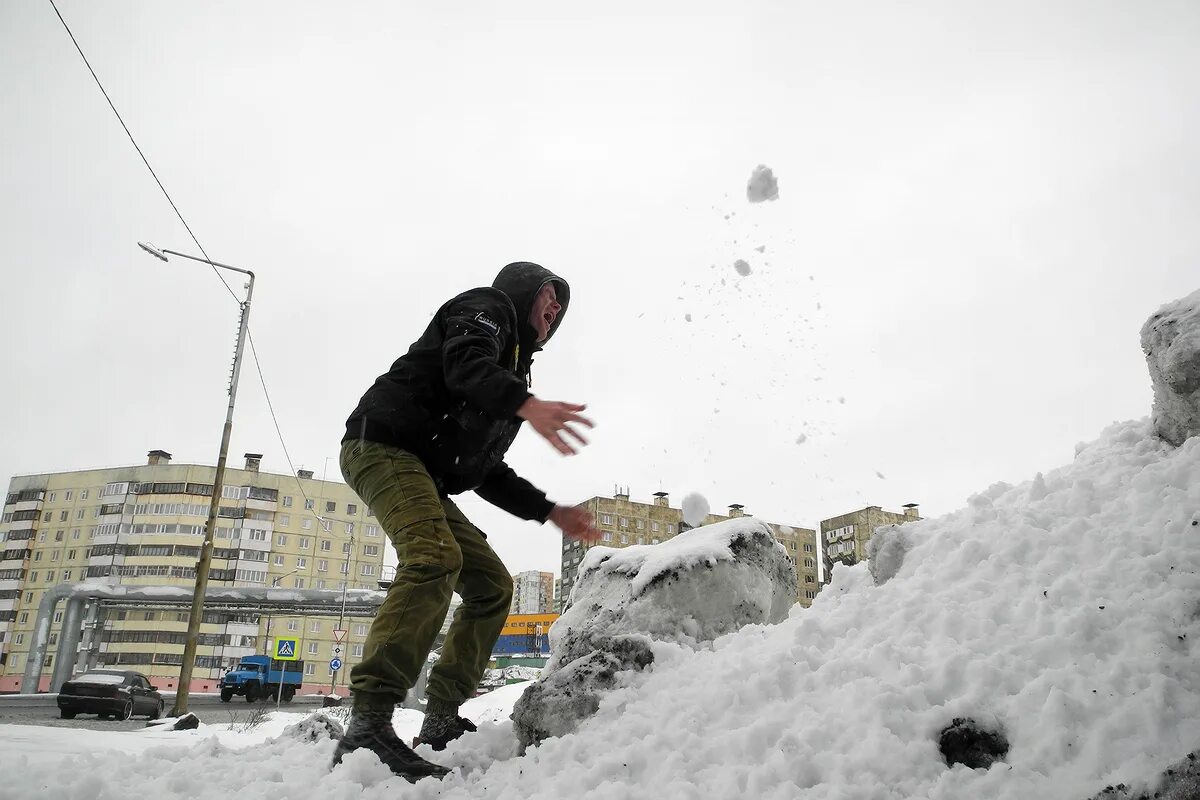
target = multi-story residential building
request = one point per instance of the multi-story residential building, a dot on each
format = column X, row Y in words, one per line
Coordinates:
column 844, row 538
column 623, row 523
column 533, row 593
column 143, row 525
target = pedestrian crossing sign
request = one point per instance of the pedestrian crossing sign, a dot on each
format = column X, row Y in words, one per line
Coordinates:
column 286, row 649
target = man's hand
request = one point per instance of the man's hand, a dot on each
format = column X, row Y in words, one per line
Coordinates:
column 576, row 523
column 550, row 420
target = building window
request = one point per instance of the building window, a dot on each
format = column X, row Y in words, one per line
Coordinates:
column 74, row 535
column 624, row 539
column 69, row 493
column 279, row 561
column 351, row 509
column 322, row 565
column 66, row 575
column 370, row 549
column 312, row 648
column 356, row 650
column 330, row 506
column 305, row 542
column 350, row 528
column 79, row 514
column 641, row 524
column 372, row 530
column 84, row 494
column 670, row 529
column 309, row 504
column 62, row 515
column 24, row 615
column 606, row 519
column 606, row 537
column 58, row 617
column 654, row 526
column 326, row 545
column 49, row 515
column 310, row 668
column 287, row 501
column 808, row 579
column 314, row 626
column 360, row 629
column 293, row 625
column 285, row 520
column 368, row 569
column 326, row 525
column 19, row 639
column 301, row 563
column 33, row 576
column 282, row 540
column 345, row 547
column 298, row 583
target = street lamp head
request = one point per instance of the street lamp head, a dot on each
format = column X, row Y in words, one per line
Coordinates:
column 152, row 250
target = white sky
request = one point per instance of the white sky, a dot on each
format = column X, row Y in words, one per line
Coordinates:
column 980, row 204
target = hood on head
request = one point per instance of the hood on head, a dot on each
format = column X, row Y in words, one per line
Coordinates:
column 521, row 281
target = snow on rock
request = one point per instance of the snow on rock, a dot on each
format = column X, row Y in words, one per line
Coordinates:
column 316, row 727
column 695, row 508
column 762, row 185
column 687, row 591
column 885, row 551
column 1171, row 341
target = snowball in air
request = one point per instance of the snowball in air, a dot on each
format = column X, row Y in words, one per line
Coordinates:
column 695, row 509
column 762, row 185
column 742, row 267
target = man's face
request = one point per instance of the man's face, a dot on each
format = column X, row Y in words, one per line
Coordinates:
column 545, row 311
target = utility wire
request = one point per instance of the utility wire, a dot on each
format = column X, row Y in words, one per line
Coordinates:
column 139, row 149
column 253, row 350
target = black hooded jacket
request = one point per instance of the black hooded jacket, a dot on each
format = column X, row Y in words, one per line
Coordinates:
column 452, row 399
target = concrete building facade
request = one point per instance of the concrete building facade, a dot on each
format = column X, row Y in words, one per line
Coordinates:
column 533, row 593
column 143, row 525
column 844, row 538
column 623, row 523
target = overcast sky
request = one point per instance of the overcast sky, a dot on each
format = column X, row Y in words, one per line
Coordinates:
column 980, row 203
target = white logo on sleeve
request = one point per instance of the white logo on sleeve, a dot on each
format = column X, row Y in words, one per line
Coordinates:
column 487, row 322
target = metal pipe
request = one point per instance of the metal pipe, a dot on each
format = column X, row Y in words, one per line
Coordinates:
column 68, row 643
column 359, row 599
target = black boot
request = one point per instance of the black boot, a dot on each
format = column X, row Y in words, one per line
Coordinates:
column 373, row 731
column 441, row 728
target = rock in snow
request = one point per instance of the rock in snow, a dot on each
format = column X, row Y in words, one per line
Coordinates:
column 1171, row 341
column 687, row 591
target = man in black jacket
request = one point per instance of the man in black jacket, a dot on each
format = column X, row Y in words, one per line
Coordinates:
column 438, row 423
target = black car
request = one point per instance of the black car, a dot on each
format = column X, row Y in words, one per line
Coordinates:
column 110, row 693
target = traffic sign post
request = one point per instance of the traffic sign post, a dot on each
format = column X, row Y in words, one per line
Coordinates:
column 287, row 649
column 335, row 665
column 336, row 651
column 339, row 634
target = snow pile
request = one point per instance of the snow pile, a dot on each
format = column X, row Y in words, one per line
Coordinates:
column 687, row 591
column 762, row 185
column 1063, row 611
column 1171, row 341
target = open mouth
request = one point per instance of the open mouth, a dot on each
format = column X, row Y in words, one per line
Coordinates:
column 549, row 318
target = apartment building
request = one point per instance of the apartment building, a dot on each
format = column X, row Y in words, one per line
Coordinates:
column 624, row 523
column 143, row 525
column 844, row 537
column 533, row 593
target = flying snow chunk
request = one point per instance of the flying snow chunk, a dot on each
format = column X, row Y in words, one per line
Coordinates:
column 695, row 509
column 762, row 185
column 801, row 439
column 742, row 267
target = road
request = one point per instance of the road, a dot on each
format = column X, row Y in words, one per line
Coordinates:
column 41, row 709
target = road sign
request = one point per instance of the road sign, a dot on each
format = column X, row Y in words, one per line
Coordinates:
column 336, row 651
column 335, row 665
column 287, row 649
column 339, row 634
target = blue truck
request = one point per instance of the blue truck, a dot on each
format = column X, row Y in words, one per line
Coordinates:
column 261, row 677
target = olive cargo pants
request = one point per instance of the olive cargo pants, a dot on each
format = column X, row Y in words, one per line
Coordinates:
column 440, row 552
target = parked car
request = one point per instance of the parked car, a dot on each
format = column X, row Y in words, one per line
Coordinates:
column 110, row 693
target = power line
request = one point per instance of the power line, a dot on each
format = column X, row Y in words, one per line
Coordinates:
column 253, row 350
column 139, row 149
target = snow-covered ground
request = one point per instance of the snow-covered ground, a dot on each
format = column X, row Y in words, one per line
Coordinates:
column 1064, row 611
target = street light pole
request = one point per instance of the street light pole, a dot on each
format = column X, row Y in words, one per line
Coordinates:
column 202, row 566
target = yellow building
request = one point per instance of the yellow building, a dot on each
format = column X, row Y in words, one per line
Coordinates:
column 844, row 538
column 143, row 525
column 623, row 522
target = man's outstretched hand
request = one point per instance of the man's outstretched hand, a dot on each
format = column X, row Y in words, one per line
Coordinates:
column 551, row 420
column 575, row 523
